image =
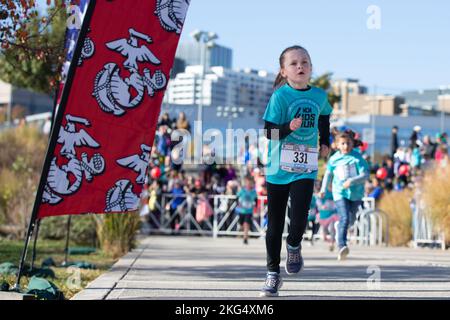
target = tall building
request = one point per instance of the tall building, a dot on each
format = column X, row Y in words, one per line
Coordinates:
column 190, row 52
column 178, row 66
column 221, row 87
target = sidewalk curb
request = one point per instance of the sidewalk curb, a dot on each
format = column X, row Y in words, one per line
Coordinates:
column 100, row 288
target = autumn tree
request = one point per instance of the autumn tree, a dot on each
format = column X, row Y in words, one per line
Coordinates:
column 32, row 43
column 324, row 81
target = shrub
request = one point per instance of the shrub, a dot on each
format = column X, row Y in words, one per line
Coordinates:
column 23, row 151
column 117, row 232
column 82, row 229
column 397, row 207
column 437, row 198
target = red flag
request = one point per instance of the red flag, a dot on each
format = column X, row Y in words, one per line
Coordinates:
column 100, row 147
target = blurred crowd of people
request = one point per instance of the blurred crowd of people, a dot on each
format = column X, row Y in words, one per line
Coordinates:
column 194, row 188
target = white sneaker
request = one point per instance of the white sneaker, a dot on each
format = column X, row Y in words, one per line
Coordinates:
column 343, row 253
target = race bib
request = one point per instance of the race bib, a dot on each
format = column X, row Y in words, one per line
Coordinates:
column 298, row 158
column 344, row 172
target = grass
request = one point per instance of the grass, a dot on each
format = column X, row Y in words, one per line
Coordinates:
column 10, row 251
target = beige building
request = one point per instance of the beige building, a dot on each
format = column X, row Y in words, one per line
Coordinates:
column 356, row 101
column 444, row 103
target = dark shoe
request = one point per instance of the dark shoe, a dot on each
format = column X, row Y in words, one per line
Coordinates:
column 245, row 241
column 294, row 260
column 272, row 285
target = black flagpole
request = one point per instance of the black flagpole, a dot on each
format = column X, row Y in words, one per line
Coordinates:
column 66, row 250
column 38, row 223
column 33, row 256
column 54, row 138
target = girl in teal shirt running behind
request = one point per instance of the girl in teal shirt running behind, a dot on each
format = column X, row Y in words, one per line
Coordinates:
column 348, row 170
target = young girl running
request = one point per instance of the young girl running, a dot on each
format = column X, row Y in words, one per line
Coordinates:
column 348, row 170
column 294, row 116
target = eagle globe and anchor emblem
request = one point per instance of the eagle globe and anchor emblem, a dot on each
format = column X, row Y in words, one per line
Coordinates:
column 65, row 180
column 112, row 92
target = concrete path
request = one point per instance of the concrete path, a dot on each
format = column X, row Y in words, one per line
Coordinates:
column 205, row 268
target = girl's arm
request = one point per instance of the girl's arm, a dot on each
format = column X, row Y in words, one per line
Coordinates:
column 283, row 130
column 324, row 130
column 326, row 180
column 360, row 178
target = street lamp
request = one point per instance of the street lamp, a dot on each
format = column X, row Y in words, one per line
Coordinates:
column 441, row 88
column 206, row 41
column 229, row 113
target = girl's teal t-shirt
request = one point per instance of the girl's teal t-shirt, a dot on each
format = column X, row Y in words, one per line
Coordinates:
column 347, row 166
column 286, row 104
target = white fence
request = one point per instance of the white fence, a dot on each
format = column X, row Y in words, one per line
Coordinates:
column 422, row 226
column 178, row 214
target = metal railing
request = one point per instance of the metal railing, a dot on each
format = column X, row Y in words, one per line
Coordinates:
column 223, row 221
column 371, row 226
column 423, row 231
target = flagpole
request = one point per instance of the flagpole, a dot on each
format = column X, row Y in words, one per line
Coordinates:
column 53, row 139
column 33, row 255
column 38, row 223
column 66, row 249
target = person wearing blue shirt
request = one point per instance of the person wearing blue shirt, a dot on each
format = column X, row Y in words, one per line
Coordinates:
column 246, row 202
column 293, row 118
column 348, row 171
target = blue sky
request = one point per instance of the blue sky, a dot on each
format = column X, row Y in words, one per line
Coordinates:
column 410, row 51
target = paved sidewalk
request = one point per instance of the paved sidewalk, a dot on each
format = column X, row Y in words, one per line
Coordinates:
column 205, row 268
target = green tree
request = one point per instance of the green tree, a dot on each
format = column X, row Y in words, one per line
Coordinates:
column 32, row 55
column 324, row 81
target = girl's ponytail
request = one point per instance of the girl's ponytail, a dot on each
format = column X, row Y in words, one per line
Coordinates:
column 279, row 81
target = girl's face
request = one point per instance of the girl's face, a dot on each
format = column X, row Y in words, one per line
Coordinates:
column 344, row 145
column 296, row 68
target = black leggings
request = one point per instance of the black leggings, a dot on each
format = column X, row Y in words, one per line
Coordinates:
column 301, row 192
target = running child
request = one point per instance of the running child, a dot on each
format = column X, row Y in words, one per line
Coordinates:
column 327, row 216
column 246, row 202
column 348, row 172
column 293, row 118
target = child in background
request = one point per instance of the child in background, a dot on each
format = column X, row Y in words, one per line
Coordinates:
column 313, row 222
column 348, row 171
column 246, row 201
column 327, row 216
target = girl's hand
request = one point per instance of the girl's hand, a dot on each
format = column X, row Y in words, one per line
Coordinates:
column 324, row 151
column 295, row 124
column 321, row 194
column 346, row 184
